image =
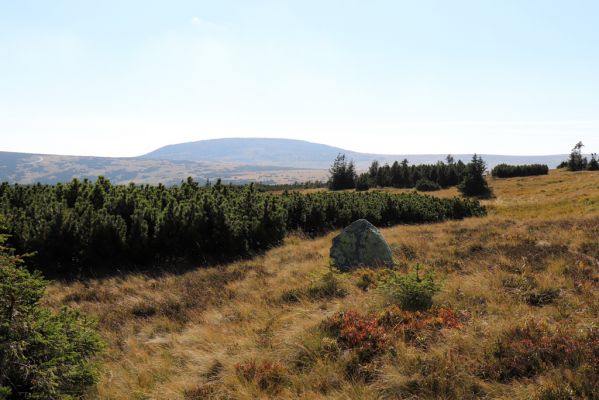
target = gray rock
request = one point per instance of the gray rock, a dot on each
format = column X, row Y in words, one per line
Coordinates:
column 360, row 245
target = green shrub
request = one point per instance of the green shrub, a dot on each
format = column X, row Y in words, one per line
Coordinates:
column 425, row 185
column 410, row 291
column 42, row 355
column 362, row 184
column 509, row 171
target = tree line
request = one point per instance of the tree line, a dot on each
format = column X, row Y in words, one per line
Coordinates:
column 578, row 162
column 425, row 177
column 84, row 226
column 510, row 171
column 398, row 175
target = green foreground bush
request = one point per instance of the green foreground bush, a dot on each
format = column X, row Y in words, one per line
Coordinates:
column 410, row 291
column 42, row 355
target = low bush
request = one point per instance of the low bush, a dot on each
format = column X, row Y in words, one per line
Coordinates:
column 43, row 355
column 526, row 351
column 410, row 291
column 509, row 171
column 355, row 332
column 425, row 185
column 417, row 327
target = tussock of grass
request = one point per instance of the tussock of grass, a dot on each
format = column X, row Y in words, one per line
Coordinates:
column 516, row 317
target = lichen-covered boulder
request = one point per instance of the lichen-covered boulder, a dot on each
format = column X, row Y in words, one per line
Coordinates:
column 360, row 245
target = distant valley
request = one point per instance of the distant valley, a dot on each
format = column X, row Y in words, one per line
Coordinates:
column 233, row 160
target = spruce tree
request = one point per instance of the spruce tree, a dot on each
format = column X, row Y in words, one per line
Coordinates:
column 474, row 183
column 343, row 174
column 593, row 163
column 576, row 162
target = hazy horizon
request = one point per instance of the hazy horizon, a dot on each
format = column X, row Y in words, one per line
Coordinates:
column 391, row 77
column 309, row 141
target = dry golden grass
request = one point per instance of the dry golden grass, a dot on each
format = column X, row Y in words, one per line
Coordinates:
column 182, row 336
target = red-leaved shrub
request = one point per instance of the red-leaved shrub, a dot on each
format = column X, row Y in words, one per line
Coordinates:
column 414, row 325
column 354, row 331
column 526, row 351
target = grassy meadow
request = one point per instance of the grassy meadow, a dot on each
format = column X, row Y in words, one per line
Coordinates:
column 516, row 316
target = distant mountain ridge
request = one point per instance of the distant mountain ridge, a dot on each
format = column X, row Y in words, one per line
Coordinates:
column 300, row 153
column 234, row 160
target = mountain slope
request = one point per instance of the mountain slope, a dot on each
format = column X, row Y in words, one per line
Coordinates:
column 28, row 168
column 284, row 152
column 233, row 160
column 302, row 154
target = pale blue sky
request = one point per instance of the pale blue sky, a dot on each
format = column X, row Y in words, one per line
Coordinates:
column 120, row 78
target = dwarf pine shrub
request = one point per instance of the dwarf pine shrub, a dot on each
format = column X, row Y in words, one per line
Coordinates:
column 43, row 355
column 410, row 291
column 425, row 185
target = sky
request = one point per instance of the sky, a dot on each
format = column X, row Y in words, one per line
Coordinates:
column 122, row 78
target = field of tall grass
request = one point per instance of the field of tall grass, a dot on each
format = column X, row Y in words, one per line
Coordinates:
column 515, row 317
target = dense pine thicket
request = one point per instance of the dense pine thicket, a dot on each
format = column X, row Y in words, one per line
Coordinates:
column 82, row 226
column 404, row 175
column 510, row 171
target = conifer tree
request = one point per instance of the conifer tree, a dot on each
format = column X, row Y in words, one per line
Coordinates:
column 343, row 174
column 577, row 162
column 362, row 182
column 593, row 163
column 474, row 183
